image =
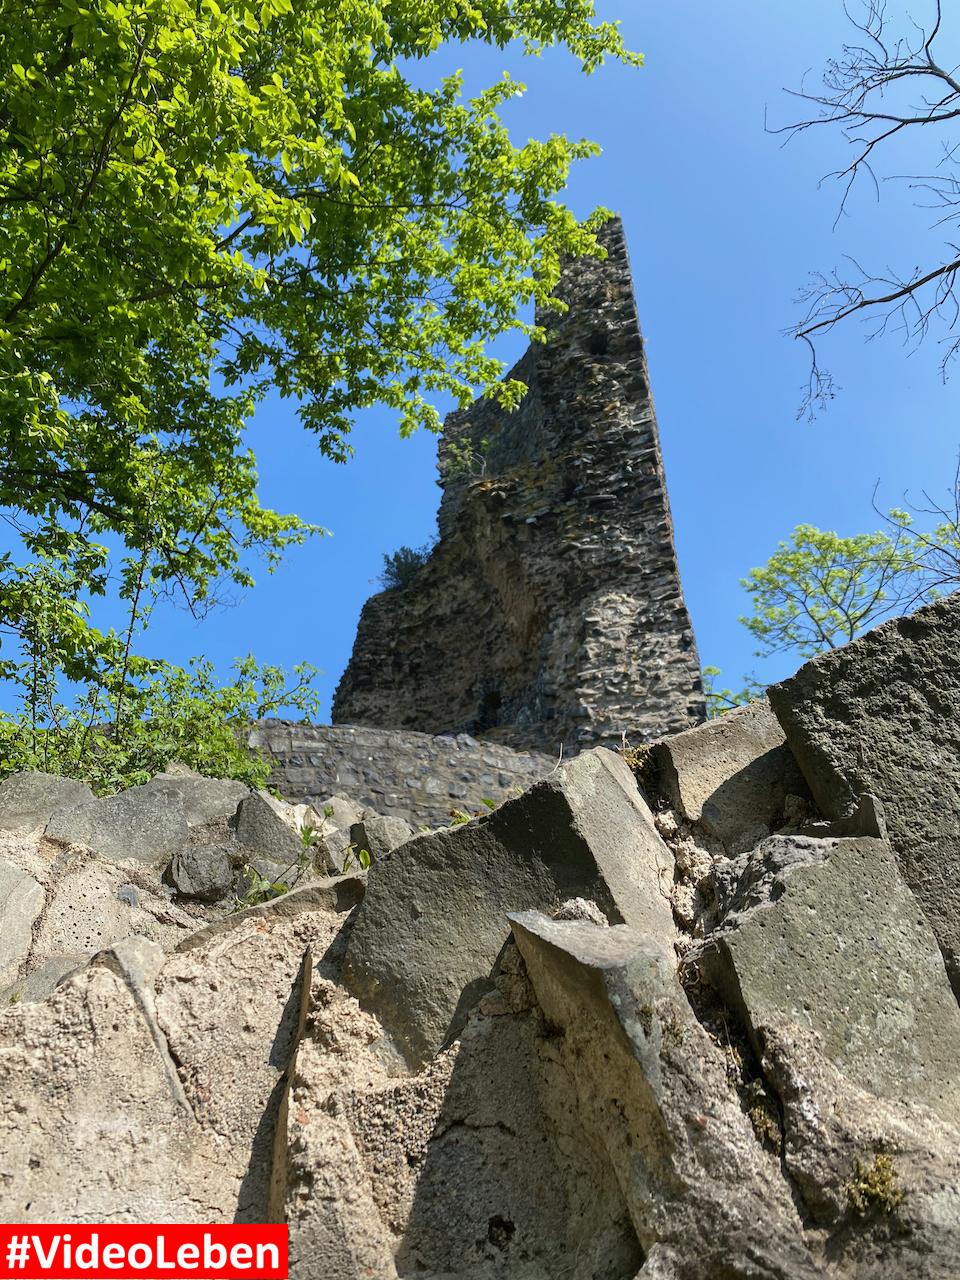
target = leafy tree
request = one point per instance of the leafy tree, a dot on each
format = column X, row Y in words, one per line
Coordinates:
column 173, row 714
column 719, row 701
column 820, row 590
column 201, row 200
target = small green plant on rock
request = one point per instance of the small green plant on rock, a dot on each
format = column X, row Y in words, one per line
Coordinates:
column 360, row 856
column 874, row 1186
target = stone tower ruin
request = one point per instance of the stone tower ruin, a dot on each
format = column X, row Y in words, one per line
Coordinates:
column 550, row 610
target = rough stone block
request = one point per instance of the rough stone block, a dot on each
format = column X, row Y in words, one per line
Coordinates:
column 92, row 1129
column 260, row 830
column 651, row 1089
column 21, row 901
column 90, row 906
column 731, row 775
column 204, row 799
column 824, row 935
column 882, row 716
column 140, row 825
column 380, row 835
column 204, row 871
column 432, row 921
column 28, row 800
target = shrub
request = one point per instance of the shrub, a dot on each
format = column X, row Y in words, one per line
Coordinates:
column 170, row 713
column 401, row 568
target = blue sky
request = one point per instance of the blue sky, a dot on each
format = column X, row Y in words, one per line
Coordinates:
column 723, row 226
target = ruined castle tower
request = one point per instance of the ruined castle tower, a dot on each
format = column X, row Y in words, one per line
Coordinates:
column 550, row 610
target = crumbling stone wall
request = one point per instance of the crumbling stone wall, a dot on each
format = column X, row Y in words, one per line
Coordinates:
column 401, row 775
column 550, row 611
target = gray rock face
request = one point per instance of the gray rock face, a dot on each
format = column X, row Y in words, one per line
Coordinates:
column 21, row 901
column 90, row 1107
column 28, row 800
column 824, row 935
column 204, row 799
column 650, row 1087
column 204, row 871
column 144, row 824
column 379, row 835
column 154, row 1088
column 260, row 831
column 431, row 924
column 882, row 715
column 42, row 978
column 731, row 775
column 476, row 1167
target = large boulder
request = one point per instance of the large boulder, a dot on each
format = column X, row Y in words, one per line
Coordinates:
column 824, row 935
column 651, row 1089
column 475, row 1167
column 732, row 775
column 204, row 800
column 142, row 825
column 21, row 901
column 882, row 716
column 28, row 800
column 262, row 833
column 432, row 921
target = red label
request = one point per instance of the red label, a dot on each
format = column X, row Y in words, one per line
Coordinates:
column 121, row 1251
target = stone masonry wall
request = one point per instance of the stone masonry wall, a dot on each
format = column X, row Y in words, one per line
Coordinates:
column 550, row 611
column 402, row 775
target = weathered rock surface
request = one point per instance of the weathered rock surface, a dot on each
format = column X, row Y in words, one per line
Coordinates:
column 732, row 775
column 145, row 824
column 379, row 835
column 825, row 935
column 651, row 1090
column 28, row 800
column 205, row 871
column 431, row 924
column 21, row 901
column 477, row 1167
column 92, row 1128
column 155, row 1087
column 90, row 904
column 204, row 799
column 261, row 832
column 882, row 715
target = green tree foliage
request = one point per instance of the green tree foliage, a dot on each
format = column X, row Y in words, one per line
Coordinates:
column 202, row 200
column 820, row 590
column 400, row 569
column 172, row 714
column 719, row 701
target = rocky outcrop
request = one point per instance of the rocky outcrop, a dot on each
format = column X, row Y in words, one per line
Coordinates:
column 882, row 716
column 585, row 832
column 550, row 611
column 80, row 874
column 679, row 1022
